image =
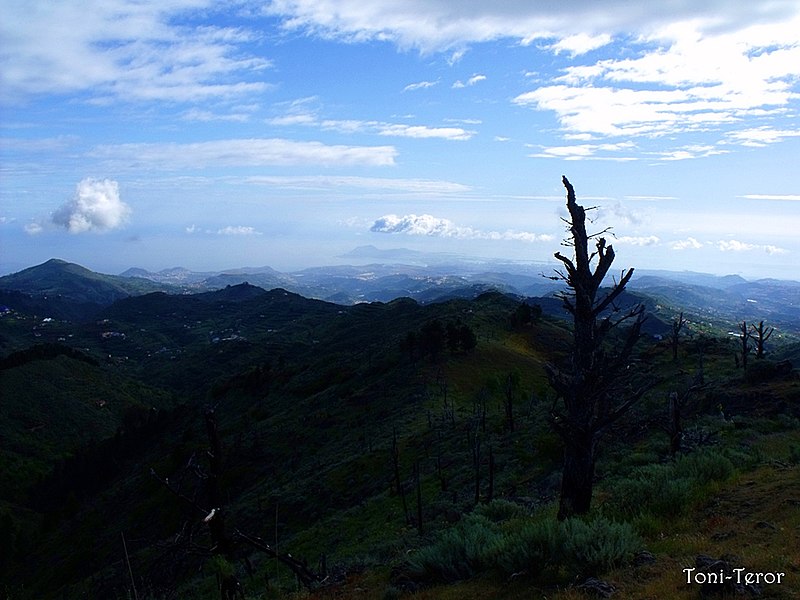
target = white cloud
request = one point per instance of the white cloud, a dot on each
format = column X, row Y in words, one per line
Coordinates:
column 649, row 240
column 691, row 151
column 437, row 25
column 737, row 246
column 238, row 230
column 421, row 85
column 477, row 78
column 124, row 50
column 419, row 225
column 759, row 137
column 352, row 126
column 243, row 153
column 781, row 197
column 428, row 225
column 581, row 43
column 33, row 228
column 96, row 206
column 689, row 242
column 206, row 116
column 588, row 151
column 692, row 75
column 422, row 132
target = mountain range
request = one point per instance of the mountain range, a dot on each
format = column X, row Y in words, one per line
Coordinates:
column 71, row 291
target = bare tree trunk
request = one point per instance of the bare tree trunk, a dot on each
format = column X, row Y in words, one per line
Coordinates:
column 761, row 335
column 596, row 386
column 577, row 480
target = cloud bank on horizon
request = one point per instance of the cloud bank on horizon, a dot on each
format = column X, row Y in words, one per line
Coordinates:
column 295, row 119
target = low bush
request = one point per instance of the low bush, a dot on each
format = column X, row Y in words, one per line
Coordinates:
column 704, row 466
column 459, row 553
column 652, row 489
column 594, row 547
column 542, row 548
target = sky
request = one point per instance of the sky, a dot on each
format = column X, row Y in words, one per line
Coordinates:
column 214, row 135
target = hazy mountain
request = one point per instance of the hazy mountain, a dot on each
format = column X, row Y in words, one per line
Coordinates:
column 721, row 301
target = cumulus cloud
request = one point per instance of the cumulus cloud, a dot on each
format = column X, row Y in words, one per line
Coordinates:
column 737, row 246
column 428, row 225
column 689, row 242
column 648, row 240
column 96, row 206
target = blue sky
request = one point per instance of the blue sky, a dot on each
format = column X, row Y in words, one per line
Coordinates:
column 215, row 135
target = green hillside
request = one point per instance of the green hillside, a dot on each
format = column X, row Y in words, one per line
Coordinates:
column 372, row 441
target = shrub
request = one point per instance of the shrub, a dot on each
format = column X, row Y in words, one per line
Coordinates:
column 531, row 548
column 459, row 553
column 704, row 466
column 654, row 489
column 597, row 546
column 540, row 547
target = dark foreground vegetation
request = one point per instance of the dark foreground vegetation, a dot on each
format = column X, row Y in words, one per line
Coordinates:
column 257, row 444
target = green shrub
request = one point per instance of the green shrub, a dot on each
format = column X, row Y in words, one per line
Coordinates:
column 655, row 489
column 542, row 548
column 704, row 466
column 459, row 553
column 532, row 548
column 594, row 547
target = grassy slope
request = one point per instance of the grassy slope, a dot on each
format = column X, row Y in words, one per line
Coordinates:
column 52, row 407
column 311, row 441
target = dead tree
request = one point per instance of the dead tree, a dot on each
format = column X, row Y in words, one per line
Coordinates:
column 744, row 346
column 596, row 387
column 760, row 335
column 678, row 405
column 677, row 325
